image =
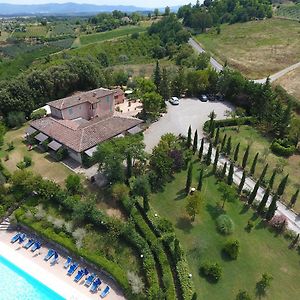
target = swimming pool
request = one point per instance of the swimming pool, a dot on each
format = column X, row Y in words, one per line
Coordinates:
column 15, row 284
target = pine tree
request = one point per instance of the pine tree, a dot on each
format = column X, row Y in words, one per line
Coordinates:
column 272, row 208
column 195, row 142
column 294, row 198
column 223, row 173
column 189, row 137
column 217, row 137
column 271, row 182
column 157, row 75
column 201, row 149
column 245, row 158
column 263, row 201
column 208, row 155
column 129, row 166
column 236, row 152
column 200, row 182
column 228, row 146
column 223, row 143
column 146, row 204
column 189, row 179
column 216, row 160
column 263, row 173
column 241, row 185
column 230, row 174
column 282, row 185
column 252, row 170
column 253, row 193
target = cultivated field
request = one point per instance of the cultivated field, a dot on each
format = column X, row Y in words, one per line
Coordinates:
column 32, row 31
column 288, row 11
column 257, row 48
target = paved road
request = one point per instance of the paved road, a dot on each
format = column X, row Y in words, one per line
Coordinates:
column 218, row 67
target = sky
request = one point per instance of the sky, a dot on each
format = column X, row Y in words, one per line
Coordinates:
column 151, row 3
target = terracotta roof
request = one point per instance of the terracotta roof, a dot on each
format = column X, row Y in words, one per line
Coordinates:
column 81, row 97
column 118, row 91
column 83, row 137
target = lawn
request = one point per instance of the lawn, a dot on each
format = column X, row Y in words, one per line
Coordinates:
column 261, row 144
column 42, row 162
column 257, row 48
column 260, row 252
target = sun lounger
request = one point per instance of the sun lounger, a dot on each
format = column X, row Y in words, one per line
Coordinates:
column 28, row 244
column 105, row 292
column 36, row 246
column 54, row 259
column 73, row 268
column 49, row 254
column 15, row 237
column 90, row 280
column 22, row 238
column 95, row 285
column 68, row 262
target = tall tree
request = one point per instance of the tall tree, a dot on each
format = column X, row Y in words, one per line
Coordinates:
column 200, row 182
column 217, row 137
column 212, row 130
column 129, row 166
column 282, row 185
column 189, row 178
column 236, row 152
column 245, row 158
column 157, row 75
column 164, row 87
column 208, row 155
column 216, row 160
column 271, row 181
column 272, row 208
column 228, row 146
column 223, row 173
column 189, row 137
column 294, row 198
column 212, row 115
column 263, row 173
column 252, row 170
column 201, row 149
column 263, row 201
column 223, row 143
column 230, row 174
column 241, row 185
column 253, row 193
column 195, row 142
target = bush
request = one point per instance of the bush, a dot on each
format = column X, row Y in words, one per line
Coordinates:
column 279, row 223
column 27, row 161
column 37, row 114
column 61, row 154
column 232, row 249
column 281, row 150
column 212, row 271
column 15, row 119
column 224, row 224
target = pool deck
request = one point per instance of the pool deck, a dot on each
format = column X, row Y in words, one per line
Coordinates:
column 53, row 276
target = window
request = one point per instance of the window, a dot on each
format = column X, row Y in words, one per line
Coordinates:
column 70, row 110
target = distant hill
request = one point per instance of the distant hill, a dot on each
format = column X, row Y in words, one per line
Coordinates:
column 7, row 9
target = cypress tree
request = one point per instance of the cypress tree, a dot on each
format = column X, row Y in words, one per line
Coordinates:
column 223, row 173
column 282, row 185
column 199, row 188
column 223, row 142
column 217, row 137
column 146, row 204
column 212, row 130
column 263, row 201
column 263, row 173
column 245, row 158
column 272, row 208
column 189, row 179
column 189, row 137
column 129, row 166
column 271, row 182
column 294, row 198
column 208, row 155
column 241, row 185
column 195, row 142
column 164, row 87
column 157, row 75
column 253, row 193
column 228, row 146
column 230, row 174
column 201, row 149
column 236, row 152
column 252, row 170
column 216, row 160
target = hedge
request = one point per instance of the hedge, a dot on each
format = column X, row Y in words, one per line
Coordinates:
column 230, row 122
column 281, row 150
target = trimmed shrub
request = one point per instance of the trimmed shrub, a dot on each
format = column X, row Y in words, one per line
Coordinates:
column 38, row 114
column 212, row 271
column 225, row 225
column 232, row 249
column 281, row 150
column 230, row 122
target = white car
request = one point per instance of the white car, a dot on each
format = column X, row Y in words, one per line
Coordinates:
column 174, row 101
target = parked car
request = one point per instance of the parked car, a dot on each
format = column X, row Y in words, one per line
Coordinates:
column 203, row 98
column 211, row 97
column 174, row 101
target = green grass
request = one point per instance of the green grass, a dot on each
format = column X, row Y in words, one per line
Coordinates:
column 108, row 35
column 4, row 36
column 256, row 48
column 261, row 251
column 32, row 31
column 259, row 143
column 289, row 11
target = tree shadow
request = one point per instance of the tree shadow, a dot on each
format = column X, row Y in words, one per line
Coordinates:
column 259, row 290
column 225, row 256
column 254, row 216
column 184, row 224
column 214, row 211
column 244, row 209
column 261, row 225
column 181, row 194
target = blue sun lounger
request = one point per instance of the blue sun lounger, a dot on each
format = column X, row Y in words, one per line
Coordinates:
column 73, row 268
column 36, row 245
column 105, row 292
column 95, row 285
column 22, row 238
column 49, row 254
column 80, row 274
column 68, row 262
column 54, row 260
column 90, row 280
column 29, row 244
column 15, row 237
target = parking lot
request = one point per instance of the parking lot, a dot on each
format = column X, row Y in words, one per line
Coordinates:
column 179, row 117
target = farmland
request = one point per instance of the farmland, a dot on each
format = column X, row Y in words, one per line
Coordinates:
column 288, row 11
column 31, row 31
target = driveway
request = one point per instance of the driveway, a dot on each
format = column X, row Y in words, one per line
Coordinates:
column 178, row 118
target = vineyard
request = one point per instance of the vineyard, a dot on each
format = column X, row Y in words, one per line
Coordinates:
column 291, row 11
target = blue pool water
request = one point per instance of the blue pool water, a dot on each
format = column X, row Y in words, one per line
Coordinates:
column 15, row 284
